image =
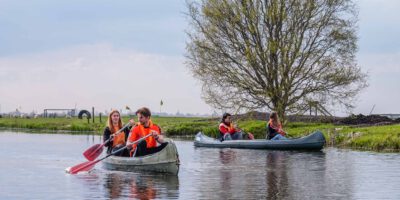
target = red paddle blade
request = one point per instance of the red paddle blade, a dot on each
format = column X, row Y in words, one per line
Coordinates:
column 93, row 152
column 86, row 166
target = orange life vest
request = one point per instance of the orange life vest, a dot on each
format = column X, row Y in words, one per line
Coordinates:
column 119, row 138
column 140, row 131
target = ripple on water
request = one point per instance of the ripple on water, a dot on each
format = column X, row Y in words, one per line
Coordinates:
column 36, row 162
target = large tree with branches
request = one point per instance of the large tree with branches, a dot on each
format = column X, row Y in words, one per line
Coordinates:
column 275, row 54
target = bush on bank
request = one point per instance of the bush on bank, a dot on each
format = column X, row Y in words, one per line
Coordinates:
column 379, row 138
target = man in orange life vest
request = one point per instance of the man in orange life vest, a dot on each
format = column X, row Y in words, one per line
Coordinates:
column 145, row 127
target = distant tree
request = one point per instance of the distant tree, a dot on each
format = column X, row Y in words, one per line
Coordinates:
column 275, row 54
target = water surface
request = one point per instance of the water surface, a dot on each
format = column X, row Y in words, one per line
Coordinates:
column 32, row 167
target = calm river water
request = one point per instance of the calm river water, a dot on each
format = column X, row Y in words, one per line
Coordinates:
column 32, row 167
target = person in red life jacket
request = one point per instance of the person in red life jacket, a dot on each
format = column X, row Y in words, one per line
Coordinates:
column 229, row 131
column 145, row 127
column 114, row 124
column 275, row 131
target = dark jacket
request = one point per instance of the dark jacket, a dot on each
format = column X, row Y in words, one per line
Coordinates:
column 271, row 132
column 107, row 134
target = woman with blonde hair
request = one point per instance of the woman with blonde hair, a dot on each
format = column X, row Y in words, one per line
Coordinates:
column 117, row 141
column 275, row 131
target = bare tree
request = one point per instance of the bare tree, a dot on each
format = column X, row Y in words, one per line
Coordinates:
column 275, row 54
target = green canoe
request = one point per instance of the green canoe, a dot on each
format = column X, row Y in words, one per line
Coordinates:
column 164, row 161
column 314, row 141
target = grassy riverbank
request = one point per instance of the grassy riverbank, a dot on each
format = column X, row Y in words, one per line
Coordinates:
column 378, row 138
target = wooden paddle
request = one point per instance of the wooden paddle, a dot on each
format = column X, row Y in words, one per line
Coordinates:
column 87, row 166
column 94, row 151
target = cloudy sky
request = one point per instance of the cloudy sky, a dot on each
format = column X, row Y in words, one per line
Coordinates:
column 108, row 54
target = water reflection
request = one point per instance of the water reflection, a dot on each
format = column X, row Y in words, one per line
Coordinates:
column 113, row 185
column 276, row 175
column 260, row 174
column 226, row 157
column 205, row 173
column 94, row 138
column 141, row 186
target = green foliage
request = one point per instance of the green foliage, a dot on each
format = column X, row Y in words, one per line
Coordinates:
column 379, row 138
column 256, row 127
column 274, row 54
column 73, row 124
column 299, row 129
column 374, row 138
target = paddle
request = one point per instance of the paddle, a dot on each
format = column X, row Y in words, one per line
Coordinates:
column 94, row 151
column 86, row 166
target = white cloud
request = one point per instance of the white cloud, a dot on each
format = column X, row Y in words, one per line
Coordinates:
column 98, row 75
column 380, row 63
column 384, row 82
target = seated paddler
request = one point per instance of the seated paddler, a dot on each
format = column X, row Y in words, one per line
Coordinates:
column 229, row 131
column 116, row 140
column 145, row 127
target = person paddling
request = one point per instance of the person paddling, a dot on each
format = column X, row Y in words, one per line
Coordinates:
column 275, row 131
column 114, row 124
column 144, row 128
column 229, row 131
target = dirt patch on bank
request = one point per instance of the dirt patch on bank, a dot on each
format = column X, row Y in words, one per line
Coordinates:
column 367, row 120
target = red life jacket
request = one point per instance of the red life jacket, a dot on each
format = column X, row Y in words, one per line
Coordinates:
column 223, row 128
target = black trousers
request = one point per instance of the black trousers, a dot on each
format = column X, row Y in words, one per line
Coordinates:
column 142, row 150
column 123, row 153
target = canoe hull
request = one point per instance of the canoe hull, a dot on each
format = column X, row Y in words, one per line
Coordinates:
column 165, row 161
column 313, row 141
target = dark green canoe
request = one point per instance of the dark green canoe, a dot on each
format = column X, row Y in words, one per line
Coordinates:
column 164, row 161
column 314, row 141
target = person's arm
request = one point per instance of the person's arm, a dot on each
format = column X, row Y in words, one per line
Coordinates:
column 281, row 131
column 133, row 136
column 157, row 135
column 272, row 131
column 128, row 129
column 223, row 130
column 126, row 132
column 132, row 124
column 235, row 129
column 106, row 136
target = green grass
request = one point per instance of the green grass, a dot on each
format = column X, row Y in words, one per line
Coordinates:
column 73, row 124
column 378, row 138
